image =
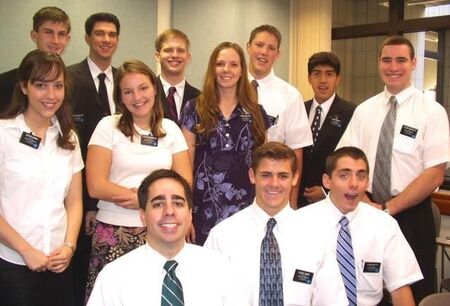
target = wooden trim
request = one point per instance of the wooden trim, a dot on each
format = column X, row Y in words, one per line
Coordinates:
column 442, row 200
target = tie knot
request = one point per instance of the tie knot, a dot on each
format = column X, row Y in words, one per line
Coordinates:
column 254, row 83
column 271, row 224
column 343, row 221
column 393, row 100
column 170, row 265
column 318, row 109
column 101, row 77
column 172, row 90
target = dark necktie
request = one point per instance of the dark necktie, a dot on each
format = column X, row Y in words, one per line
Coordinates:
column 171, row 103
column 315, row 126
column 270, row 273
column 255, row 85
column 172, row 290
column 103, row 94
column 346, row 260
column 381, row 186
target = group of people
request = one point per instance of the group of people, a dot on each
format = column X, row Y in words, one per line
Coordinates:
column 225, row 167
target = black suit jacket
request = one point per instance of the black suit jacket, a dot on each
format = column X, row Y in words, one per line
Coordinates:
column 190, row 93
column 333, row 128
column 87, row 112
column 8, row 82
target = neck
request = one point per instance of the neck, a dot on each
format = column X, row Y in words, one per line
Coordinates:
column 37, row 125
column 172, row 79
column 258, row 76
column 101, row 63
column 168, row 250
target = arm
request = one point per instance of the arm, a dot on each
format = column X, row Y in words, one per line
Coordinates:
column 98, row 165
column 59, row 259
column 402, row 296
column 294, row 191
column 314, row 193
column 182, row 165
column 420, row 188
column 34, row 259
column 191, row 139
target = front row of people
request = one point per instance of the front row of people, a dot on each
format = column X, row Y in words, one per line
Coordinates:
column 330, row 253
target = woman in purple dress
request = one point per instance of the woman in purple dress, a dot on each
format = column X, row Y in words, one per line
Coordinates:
column 222, row 128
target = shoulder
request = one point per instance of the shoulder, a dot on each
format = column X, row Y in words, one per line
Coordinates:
column 9, row 74
column 239, row 221
column 127, row 263
column 192, row 89
column 204, row 255
column 373, row 217
column 344, row 104
column 169, row 126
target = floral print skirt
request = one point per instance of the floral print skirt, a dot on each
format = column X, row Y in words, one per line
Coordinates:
column 110, row 242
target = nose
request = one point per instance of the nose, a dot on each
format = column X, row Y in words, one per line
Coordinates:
column 352, row 181
column 168, row 209
column 50, row 93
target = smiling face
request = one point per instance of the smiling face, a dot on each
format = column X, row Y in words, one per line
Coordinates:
column 51, row 37
column 102, row 41
column 263, row 52
column 167, row 216
column 273, row 181
column 395, row 67
column 324, row 81
column 138, row 95
column 44, row 98
column 228, row 68
column 347, row 183
column 173, row 56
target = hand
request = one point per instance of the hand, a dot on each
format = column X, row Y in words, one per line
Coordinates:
column 314, row 194
column 60, row 259
column 35, row 260
column 89, row 222
column 190, row 235
column 128, row 200
column 366, row 199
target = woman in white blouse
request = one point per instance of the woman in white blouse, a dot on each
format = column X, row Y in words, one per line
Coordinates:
column 123, row 150
column 40, row 187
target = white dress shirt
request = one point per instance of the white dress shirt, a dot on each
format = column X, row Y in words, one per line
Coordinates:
column 285, row 105
column 421, row 138
column 109, row 82
column 178, row 95
column 33, row 186
column 136, row 279
column 377, row 242
column 239, row 238
column 325, row 106
column 132, row 162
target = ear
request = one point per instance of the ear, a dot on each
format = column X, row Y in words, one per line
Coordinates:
column 338, row 80
column 188, row 57
column 86, row 38
column 309, row 79
column 295, row 179
column 251, row 175
column 248, row 48
column 413, row 63
column 326, row 181
column 33, row 35
column 142, row 217
column 157, row 56
column 23, row 88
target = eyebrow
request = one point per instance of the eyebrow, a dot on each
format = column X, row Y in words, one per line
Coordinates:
column 162, row 197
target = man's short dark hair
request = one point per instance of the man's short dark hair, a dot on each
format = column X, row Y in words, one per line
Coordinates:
column 276, row 151
column 266, row 28
column 158, row 175
column 324, row 59
column 50, row 13
column 397, row 40
column 352, row 152
column 101, row 17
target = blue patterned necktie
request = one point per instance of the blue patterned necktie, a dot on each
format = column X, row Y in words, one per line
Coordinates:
column 381, row 186
column 270, row 274
column 346, row 260
column 172, row 291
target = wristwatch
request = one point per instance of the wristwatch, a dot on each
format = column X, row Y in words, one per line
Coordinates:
column 70, row 245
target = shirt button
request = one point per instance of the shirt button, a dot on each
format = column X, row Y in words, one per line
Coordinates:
column 227, row 135
column 227, row 145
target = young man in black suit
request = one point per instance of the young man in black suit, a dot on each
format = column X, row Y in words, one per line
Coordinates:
column 172, row 52
column 90, row 104
column 328, row 116
column 50, row 33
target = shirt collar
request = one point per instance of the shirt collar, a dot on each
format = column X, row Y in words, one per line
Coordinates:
column 166, row 85
column 265, row 81
column 336, row 214
column 95, row 71
column 261, row 217
column 325, row 105
column 19, row 122
column 401, row 96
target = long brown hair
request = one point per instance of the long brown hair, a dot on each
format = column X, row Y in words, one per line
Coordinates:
column 40, row 66
column 125, row 124
column 208, row 101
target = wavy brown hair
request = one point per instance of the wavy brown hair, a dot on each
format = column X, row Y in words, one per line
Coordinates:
column 40, row 66
column 125, row 124
column 208, row 101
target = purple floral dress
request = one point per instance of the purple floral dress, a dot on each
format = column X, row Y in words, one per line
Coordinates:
column 221, row 183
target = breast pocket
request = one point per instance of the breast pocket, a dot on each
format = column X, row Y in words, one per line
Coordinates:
column 370, row 276
column 297, row 286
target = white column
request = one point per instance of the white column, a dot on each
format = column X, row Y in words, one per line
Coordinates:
column 163, row 21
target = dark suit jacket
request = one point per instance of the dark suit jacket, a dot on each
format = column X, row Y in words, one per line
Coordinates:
column 87, row 112
column 8, row 82
column 333, row 128
column 190, row 93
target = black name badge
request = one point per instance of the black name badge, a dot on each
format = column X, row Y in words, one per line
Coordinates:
column 409, row 131
column 149, row 140
column 30, row 140
column 303, row 276
column 372, row 267
column 246, row 118
column 78, row 118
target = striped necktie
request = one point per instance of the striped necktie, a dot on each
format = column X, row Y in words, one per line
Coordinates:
column 381, row 186
column 346, row 260
column 172, row 290
column 270, row 273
